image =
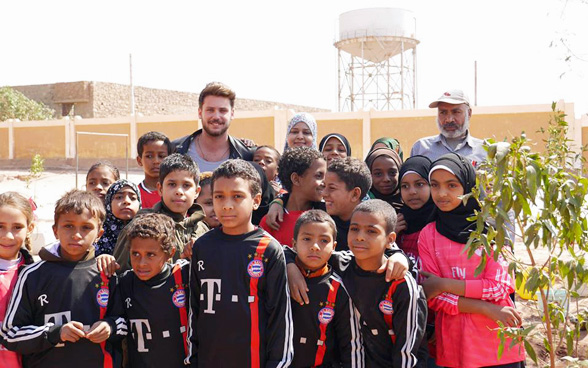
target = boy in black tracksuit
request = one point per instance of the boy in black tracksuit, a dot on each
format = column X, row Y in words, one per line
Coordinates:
column 154, row 295
column 63, row 311
column 239, row 305
column 326, row 331
column 392, row 314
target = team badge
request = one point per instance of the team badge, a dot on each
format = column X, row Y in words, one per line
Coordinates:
column 102, row 297
column 179, row 298
column 386, row 307
column 326, row 315
column 255, row 268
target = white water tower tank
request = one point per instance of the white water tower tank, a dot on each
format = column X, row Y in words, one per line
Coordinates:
column 377, row 59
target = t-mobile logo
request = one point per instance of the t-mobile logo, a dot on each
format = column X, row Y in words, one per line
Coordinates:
column 210, row 294
column 140, row 335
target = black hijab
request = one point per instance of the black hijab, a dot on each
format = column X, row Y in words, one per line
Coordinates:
column 267, row 195
column 394, row 198
column 454, row 224
column 417, row 219
column 341, row 139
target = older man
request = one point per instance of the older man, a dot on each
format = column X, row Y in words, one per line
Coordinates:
column 212, row 145
column 453, row 120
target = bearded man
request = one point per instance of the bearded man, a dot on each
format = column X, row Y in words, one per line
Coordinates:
column 212, row 145
column 453, row 120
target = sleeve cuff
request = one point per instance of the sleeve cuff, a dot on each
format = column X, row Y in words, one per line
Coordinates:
column 473, row 289
column 54, row 334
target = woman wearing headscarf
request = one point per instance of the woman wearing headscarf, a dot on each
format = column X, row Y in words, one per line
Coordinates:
column 301, row 131
column 334, row 145
column 384, row 165
column 391, row 143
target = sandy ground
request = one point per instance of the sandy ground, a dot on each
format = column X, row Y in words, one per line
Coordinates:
column 51, row 185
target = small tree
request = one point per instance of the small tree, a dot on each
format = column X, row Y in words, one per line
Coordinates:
column 15, row 105
column 547, row 193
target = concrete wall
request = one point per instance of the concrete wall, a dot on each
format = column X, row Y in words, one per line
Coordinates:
column 57, row 138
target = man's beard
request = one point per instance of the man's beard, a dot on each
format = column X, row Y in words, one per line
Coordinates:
column 458, row 132
column 213, row 133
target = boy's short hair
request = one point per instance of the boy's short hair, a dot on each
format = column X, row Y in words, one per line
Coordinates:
column 353, row 172
column 313, row 216
column 154, row 226
column 296, row 160
column 153, row 137
column 238, row 169
column 205, row 178
column 108, row 164
column 380, row 209
column 77, row 201
column 271, row 148
column 217, row 89
column 178, row 162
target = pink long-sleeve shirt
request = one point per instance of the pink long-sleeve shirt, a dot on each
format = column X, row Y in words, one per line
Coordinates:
column 466, row 339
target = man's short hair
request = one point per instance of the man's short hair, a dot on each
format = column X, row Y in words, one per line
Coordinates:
column 238, row 168
column 353, row 172
column 178, row 162
column 315, row 216
column 217, row 89
column 154, row 226
column 77, row 201
column 296, row 160
column 381, row 209
column 153, row 137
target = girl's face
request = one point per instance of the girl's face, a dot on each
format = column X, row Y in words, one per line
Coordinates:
column 266, row 158
column 415, row 190
column 125, row 204
column 334, row 149
column 300, row 135
column 13, row 231
column 99, row 180
column 445, row 190
column 205, row 200
column 384, row 175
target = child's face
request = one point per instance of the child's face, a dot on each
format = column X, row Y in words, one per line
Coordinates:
column 125, row 204
column 147, row 257
column 312, row 182
column 334, row 149
column 13, row 231
column 445, row 190
column 76, row 234
column 314, row 244
column 205, row 200
column 266, row 158
column 384, row 175
column 415, row 190
column 153, row 153
column 178, row 191
column 338, row 200
column 234, row 204
column 368, row 239
column 99, row 180
column 300, row 136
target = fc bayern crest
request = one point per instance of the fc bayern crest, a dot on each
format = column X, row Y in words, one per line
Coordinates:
column 102, row 297
column 179, row 298
column 326, row 315
column 255, row 268
column 386, row 307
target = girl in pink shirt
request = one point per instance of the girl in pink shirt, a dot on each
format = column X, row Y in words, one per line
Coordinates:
column 16, row 225
column 467, row 307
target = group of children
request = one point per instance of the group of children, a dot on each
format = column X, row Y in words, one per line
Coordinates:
column 199, row 283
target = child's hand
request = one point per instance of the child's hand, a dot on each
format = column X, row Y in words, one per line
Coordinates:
column 507, row 315
column 400, row 223
column 107, row 264
column 276, row 186
column 432, row 284
column 274, row 216
column 99, row 332
column 72, row 331
column 187, row 252
column 395, row 267
column 297, row 284
column 248, row 142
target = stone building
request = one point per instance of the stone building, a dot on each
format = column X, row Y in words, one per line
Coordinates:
column 103, row 100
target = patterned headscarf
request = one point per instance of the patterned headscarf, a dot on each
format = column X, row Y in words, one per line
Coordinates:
column 112, row 225
column 307, row 119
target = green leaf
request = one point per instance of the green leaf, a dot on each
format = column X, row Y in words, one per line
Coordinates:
column 530, row 351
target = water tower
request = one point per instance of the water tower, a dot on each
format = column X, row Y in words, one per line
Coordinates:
column 377, row 59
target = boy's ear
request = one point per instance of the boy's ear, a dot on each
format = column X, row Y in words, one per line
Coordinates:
column 173, row 251
column 256, row 201
column 31, row 227
column 159, row 189
column 295, row 178
column 294, row 245
column 391, row 237
column 139, row 161
column 54, row 227
column 198, row 189
column 100, row 233
column 356, row 194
